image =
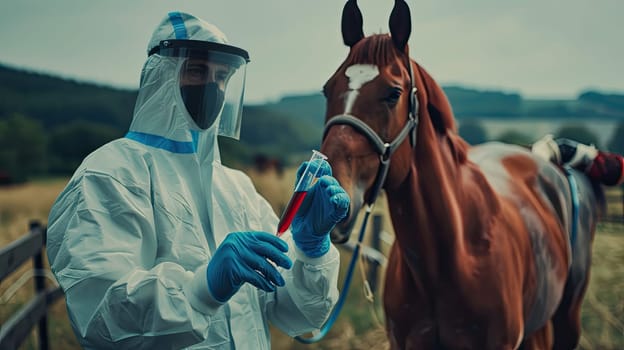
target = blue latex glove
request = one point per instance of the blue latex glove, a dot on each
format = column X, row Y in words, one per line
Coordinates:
column 242, row 257
column 323, row 207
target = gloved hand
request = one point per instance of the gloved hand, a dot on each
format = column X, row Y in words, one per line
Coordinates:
column 323, row 207
column 242, row 257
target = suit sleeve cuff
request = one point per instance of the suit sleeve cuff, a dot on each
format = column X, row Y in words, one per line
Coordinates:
column 331, row 255
column 198, row 293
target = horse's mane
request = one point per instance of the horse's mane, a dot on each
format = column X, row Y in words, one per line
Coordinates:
column 437, row 103
column 441, row 115
column 375, row 49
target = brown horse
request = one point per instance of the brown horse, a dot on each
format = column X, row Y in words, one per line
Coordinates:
column 483, row 257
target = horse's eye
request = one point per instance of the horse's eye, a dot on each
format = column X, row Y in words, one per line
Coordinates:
column 393, row 96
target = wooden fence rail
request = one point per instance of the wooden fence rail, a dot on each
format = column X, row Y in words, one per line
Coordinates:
column 14, row 331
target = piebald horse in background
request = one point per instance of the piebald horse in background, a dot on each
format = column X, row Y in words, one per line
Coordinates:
column 483, row 256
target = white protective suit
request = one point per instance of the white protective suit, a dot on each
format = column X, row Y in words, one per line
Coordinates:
column 130, row 237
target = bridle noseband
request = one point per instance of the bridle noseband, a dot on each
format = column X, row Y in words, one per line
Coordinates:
column 384, row 149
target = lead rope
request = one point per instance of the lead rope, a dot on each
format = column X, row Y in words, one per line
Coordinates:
column 318, row 335
column 369, row 294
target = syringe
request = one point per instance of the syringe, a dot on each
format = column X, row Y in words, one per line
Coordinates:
column 307, row 179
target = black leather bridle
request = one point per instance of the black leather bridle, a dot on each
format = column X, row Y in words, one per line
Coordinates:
column 384, row 149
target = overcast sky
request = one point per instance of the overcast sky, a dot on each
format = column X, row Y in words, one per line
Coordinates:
column 548, row 48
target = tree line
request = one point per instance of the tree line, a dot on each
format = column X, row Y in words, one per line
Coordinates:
column 29, row 149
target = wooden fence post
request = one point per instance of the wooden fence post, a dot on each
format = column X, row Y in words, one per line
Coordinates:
column 375, row 244
column 40, row 286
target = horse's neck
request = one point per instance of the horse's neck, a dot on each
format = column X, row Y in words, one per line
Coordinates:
column 434, row 223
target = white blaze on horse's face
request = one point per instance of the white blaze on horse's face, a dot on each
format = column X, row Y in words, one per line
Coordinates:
column 358, row 74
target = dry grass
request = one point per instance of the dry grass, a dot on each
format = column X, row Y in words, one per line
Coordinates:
column 357, row 327
column 18, row 206
column 21, row 203
column 603, row 308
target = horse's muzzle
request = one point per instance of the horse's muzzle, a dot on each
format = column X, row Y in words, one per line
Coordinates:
column 339, row 237
column 342, row 231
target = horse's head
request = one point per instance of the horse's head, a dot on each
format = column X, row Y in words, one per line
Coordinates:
column 371, row 110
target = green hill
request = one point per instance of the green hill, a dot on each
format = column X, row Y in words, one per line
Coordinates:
column 54, row 101
column 49, row 124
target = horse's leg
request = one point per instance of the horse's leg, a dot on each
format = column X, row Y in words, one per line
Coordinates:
column 540, row 339
column 567, row 318
column 408, row 322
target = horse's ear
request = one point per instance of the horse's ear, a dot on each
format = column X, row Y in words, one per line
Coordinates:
column 400, row 24
column 351, row 23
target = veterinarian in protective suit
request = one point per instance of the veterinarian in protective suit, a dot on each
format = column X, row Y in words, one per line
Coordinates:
column 157, row 245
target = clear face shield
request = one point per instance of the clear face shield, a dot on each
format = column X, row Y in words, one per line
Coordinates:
column 212, row 82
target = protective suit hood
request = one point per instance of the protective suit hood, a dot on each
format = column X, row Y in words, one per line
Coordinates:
column 161, row 118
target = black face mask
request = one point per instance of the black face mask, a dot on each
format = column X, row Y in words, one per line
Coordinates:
column 203, row 102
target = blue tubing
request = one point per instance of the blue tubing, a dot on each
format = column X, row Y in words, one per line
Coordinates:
column 345, row 289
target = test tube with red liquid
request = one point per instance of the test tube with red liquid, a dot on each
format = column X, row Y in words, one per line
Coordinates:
column 307, row 179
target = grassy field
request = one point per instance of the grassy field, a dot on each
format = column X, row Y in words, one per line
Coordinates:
column 360, row 324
